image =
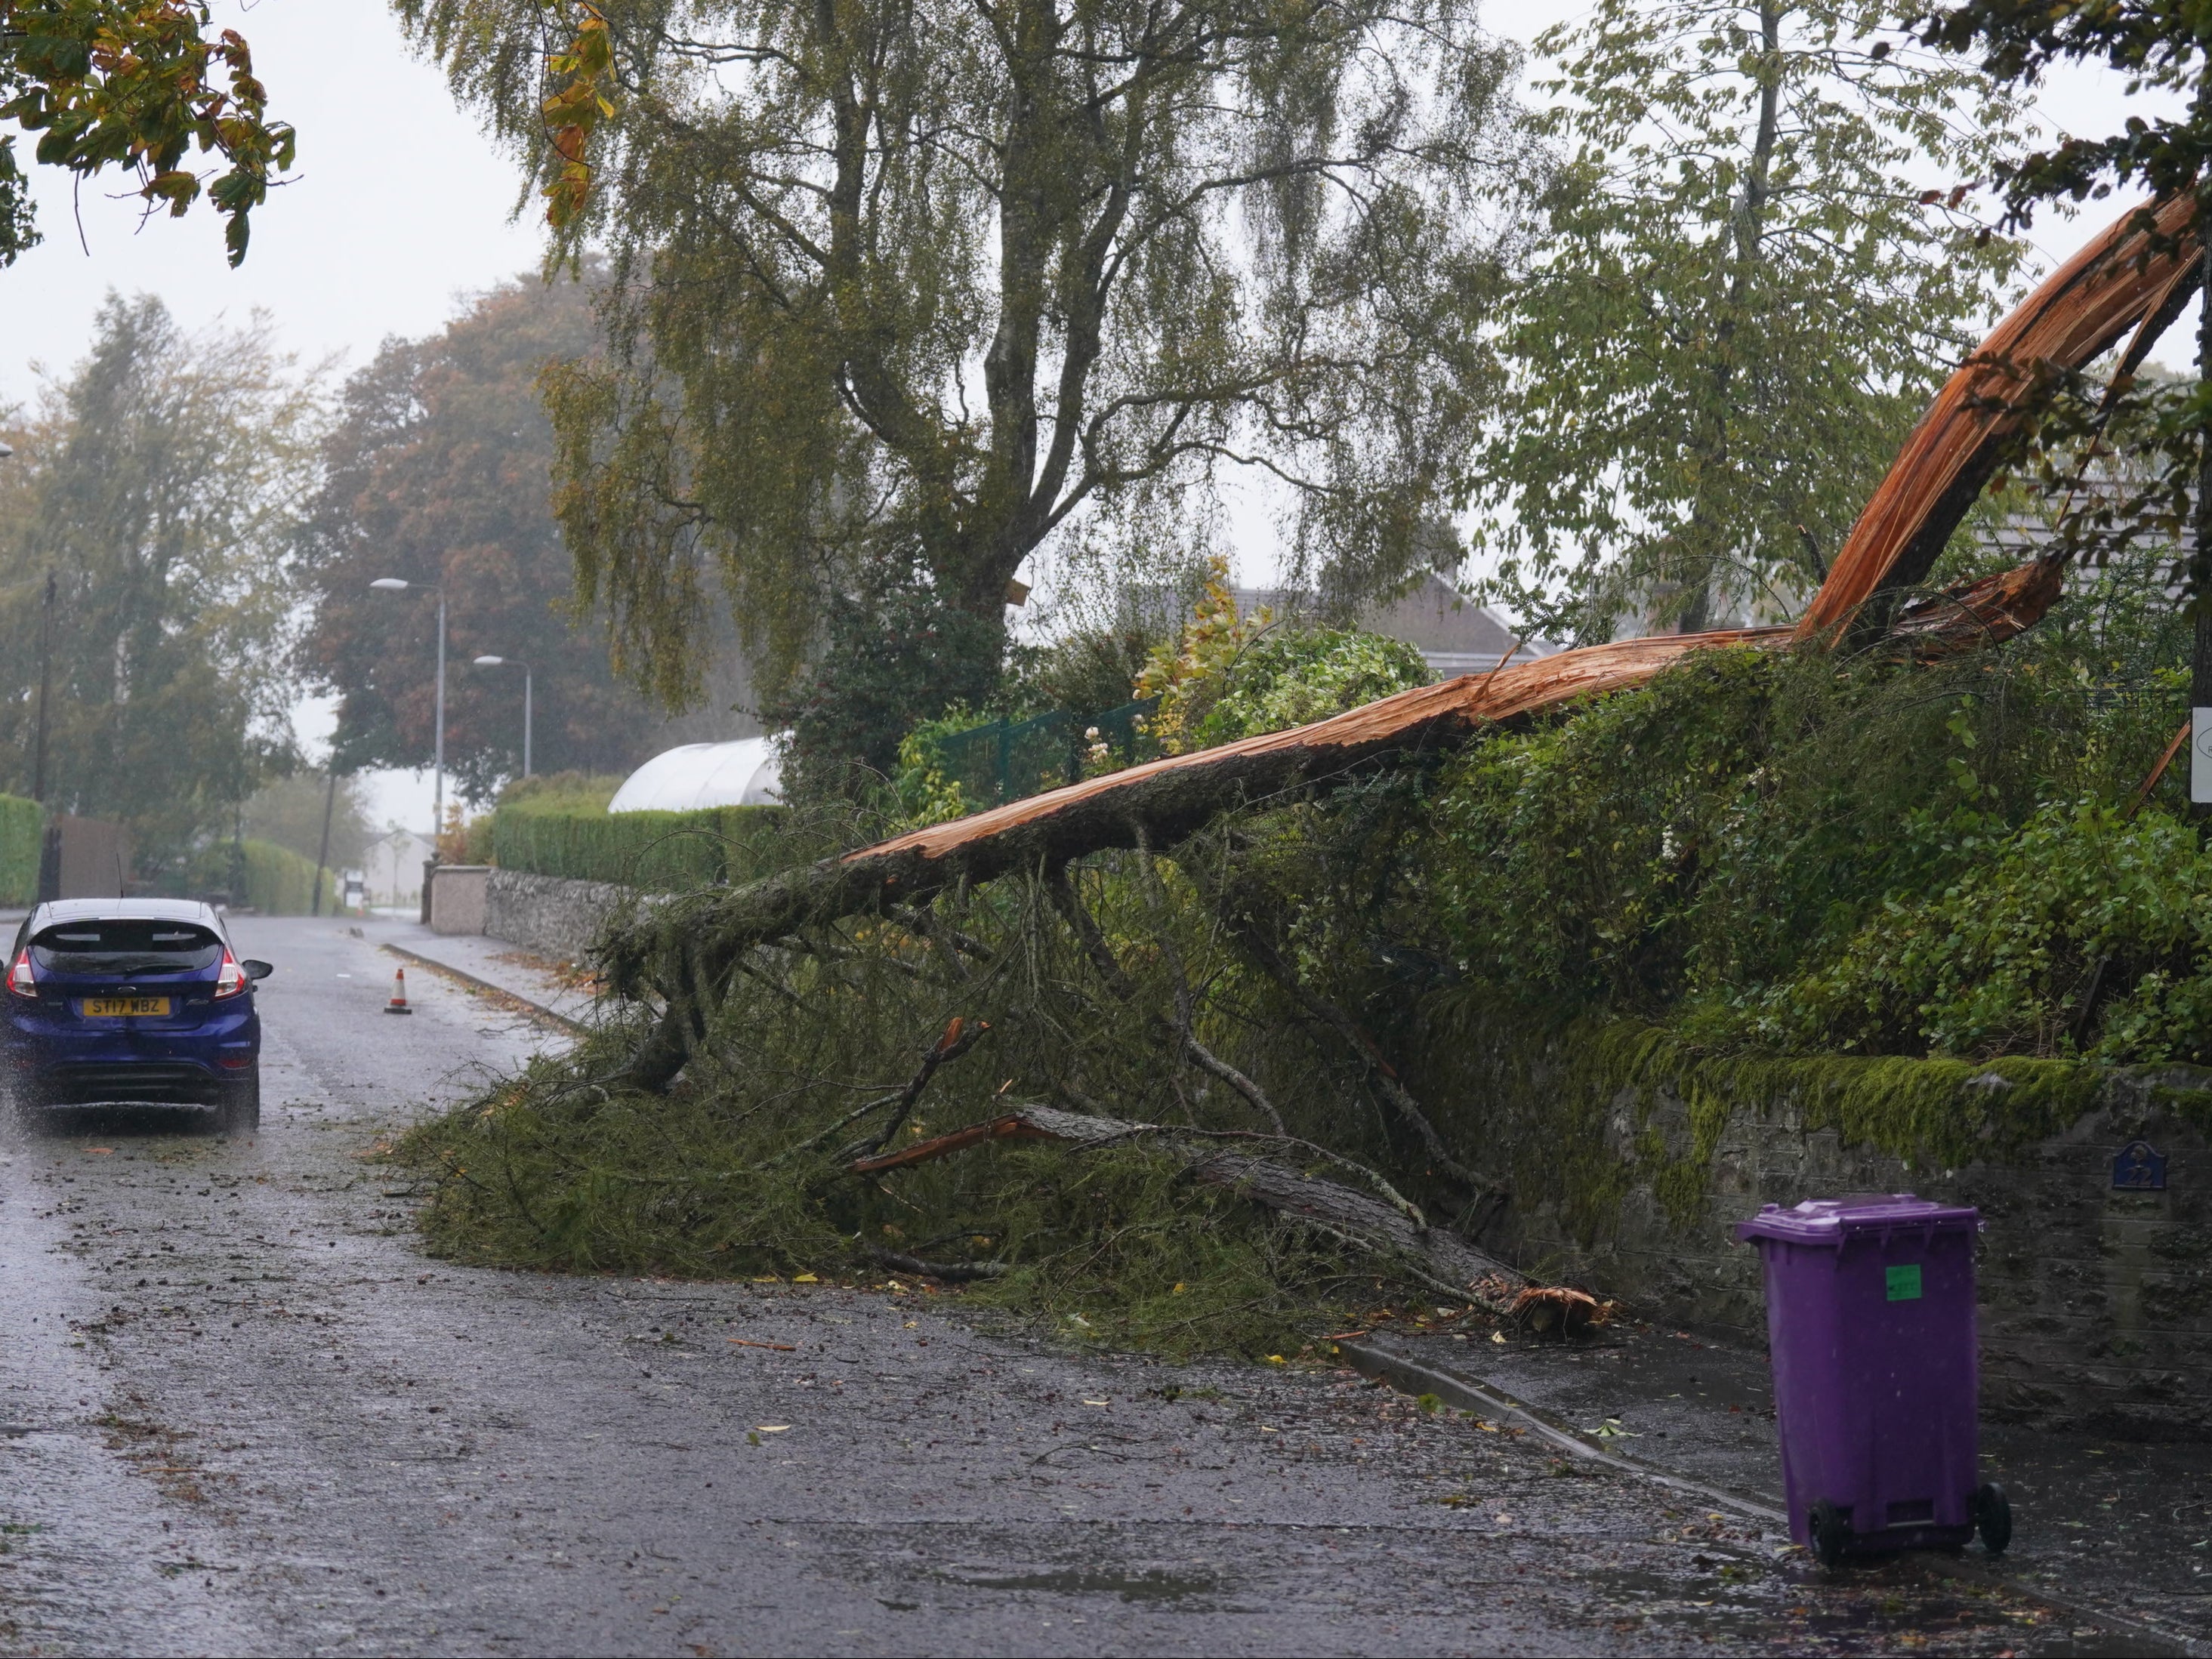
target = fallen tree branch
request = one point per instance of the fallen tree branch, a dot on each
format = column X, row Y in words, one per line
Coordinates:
column 1244, row 927
column 1186, row 1023
column 1439, row 1259
column 957, row 1040
column 2121, row 280
column 952, row 1273
column 959, row 1037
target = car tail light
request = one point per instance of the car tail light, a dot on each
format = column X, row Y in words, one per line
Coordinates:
column 231, row 979
column 19, row 979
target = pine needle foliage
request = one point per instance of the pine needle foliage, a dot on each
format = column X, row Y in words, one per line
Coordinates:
column 1714, row 886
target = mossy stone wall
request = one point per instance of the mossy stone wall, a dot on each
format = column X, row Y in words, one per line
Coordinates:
column 1629, row 1158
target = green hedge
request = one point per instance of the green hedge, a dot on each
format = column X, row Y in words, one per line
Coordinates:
column 280, row 883
column 22, row 834
column 662, row 852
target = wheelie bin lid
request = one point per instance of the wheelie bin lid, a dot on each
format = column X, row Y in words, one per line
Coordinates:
column 1831, row 1220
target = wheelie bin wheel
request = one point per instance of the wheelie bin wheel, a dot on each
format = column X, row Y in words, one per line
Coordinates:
column 1993, row 1517
column 1832, row 1532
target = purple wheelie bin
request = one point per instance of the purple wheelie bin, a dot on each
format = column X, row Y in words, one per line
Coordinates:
column 1870, row 1326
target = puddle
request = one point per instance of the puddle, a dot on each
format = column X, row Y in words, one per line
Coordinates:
column 1148, row 1584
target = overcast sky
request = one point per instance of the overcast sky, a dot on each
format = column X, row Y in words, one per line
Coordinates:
column 400, row 209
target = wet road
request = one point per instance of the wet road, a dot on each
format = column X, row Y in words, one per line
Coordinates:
column 240, row 1413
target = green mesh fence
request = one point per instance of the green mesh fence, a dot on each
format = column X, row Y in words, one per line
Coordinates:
column 1009, row 759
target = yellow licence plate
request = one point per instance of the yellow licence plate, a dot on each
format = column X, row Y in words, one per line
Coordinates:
column 112, row 1007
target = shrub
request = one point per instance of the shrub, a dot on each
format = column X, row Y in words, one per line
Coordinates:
column 278, row 881
column 664, row 852
column 1298, row 676
column 1774, row 851
column 1227, row 676
column 22, row 838
column 2000, row 960
column 562, row 792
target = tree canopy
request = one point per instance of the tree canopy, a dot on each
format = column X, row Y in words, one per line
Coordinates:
column 436, row 469
column 1756, row 262
column 933, row 283
column 140, row 84
column 2162, row 44
column 156, row 486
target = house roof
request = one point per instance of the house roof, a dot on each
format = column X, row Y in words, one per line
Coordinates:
column 1454, row 635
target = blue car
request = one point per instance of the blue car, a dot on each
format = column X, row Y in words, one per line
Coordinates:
column 132, row 1001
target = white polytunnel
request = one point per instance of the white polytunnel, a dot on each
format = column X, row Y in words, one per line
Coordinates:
column 746, row 772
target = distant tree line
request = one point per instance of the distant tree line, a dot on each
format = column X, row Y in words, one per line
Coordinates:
column 922, row 303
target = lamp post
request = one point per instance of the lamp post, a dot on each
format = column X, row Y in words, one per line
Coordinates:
column 45, row 680
column 396, row 585
column 516, row 662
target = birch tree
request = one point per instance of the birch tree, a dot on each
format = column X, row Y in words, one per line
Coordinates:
column 936, row 281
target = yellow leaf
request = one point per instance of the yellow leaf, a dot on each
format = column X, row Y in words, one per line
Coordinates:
column 775, row 1428
column 804, row 1279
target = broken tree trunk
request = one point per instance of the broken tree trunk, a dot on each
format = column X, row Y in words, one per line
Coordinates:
column 1444, row 1260
column 2134, row 275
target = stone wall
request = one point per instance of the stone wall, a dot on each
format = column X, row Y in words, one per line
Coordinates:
column 2095, row 1299
column 550, row 916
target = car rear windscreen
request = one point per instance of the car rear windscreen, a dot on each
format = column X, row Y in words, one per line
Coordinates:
column 125, row 946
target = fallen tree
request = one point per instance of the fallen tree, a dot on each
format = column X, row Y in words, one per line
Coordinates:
column 1149, row 1028
column 682, row 954
column 2136, row 276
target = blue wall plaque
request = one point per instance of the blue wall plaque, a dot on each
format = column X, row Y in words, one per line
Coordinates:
column 2139, row 1168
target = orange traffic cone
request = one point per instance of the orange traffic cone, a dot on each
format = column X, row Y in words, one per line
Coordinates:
column 399, row 1003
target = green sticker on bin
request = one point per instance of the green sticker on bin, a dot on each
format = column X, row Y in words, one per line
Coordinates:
column 1903, row 1282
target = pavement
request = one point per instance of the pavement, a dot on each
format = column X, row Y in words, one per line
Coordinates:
column 488, row 964
column 2117, row 1530
column 241, row 1411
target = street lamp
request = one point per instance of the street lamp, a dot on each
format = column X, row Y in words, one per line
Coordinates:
column 396, row 585
column 516, row 662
